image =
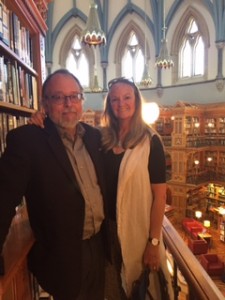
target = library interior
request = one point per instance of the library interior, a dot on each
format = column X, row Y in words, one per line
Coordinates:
column 174, row 51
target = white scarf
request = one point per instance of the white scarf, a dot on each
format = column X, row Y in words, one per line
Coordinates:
column 134, row 200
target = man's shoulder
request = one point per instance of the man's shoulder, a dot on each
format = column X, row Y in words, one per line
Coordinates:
column 24, row 132
column 25, row 129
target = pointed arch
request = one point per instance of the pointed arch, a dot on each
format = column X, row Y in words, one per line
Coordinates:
column 180, row 35
column 66, row 47
column 123, row 42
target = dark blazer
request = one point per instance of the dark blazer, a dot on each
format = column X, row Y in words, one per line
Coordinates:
column 35, row 164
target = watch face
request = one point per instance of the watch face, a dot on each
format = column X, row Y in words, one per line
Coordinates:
column 155, row 241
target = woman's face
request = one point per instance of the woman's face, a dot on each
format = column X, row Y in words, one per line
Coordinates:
column 122, row 100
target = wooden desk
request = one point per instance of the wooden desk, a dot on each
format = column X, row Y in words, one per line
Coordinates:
column 15, row 284
column 206, row 236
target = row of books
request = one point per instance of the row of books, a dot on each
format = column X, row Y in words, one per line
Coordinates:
column 14, row 35
column 16, row 85
column 8, row 122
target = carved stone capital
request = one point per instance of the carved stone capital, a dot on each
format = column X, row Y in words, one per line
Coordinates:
column 220, row 84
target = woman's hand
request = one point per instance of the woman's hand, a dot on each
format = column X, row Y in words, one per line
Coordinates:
column 37, row 119
column 152, row 257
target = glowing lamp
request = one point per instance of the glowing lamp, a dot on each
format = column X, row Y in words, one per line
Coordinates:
column 198, row 214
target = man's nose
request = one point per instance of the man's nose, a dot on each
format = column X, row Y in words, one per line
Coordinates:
column 67, row 101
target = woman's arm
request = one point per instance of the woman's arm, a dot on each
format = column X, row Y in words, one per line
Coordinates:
column 157, row 210
column 157, row 171
column 152, row 253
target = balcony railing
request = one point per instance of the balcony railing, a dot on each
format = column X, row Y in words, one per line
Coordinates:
column 193, row 141
column 200, row 285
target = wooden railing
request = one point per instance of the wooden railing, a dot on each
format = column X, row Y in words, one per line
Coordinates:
column 15, row 283
column 200, row 285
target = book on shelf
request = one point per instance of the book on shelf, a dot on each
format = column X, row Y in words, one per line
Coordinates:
column 4, row 130
column 30, row 90
column 15, row 30
column 11, row 34
column 16, row 95
column 2, row 82
column 9, row 81
column 27, row 91
column 30, row 50
column 8, row 122
column 42, row 52
column 5, row 82
column 23, row 48
column 21, row 85
column 1, row 25
column 20, row 121
column 5, row 25
column 16, row 36
column 35, row 93
column 17, row 87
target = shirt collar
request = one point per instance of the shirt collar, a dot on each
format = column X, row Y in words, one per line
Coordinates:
column 80, row 131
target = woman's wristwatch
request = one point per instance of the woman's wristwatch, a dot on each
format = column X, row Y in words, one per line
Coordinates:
column 154, row 241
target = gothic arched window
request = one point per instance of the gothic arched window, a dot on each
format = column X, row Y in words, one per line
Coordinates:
column 189, row 48
column 131, row 52
column 77, row 62
column 192, row 52
column 132, row 61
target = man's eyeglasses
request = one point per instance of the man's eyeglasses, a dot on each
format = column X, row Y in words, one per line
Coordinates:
column 61, row 99
column 121, row 80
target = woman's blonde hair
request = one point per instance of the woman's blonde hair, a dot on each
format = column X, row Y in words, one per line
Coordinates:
column 110, row 124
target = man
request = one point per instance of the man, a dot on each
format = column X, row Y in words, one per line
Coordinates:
column 59, row 170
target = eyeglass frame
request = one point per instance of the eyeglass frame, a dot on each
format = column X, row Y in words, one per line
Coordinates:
column 61, row 99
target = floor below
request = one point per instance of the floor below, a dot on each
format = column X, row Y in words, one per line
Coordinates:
column 216, row 246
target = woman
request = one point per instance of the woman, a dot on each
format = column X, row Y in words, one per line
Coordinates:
column 136, row 187
column 135, row 163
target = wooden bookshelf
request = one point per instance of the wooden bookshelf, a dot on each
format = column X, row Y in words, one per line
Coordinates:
column 15, row 109
column 22, row 71
column 222, row 231
column 197, row 135
column 22, row 65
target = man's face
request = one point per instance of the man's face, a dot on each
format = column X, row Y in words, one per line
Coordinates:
column 65, row 113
